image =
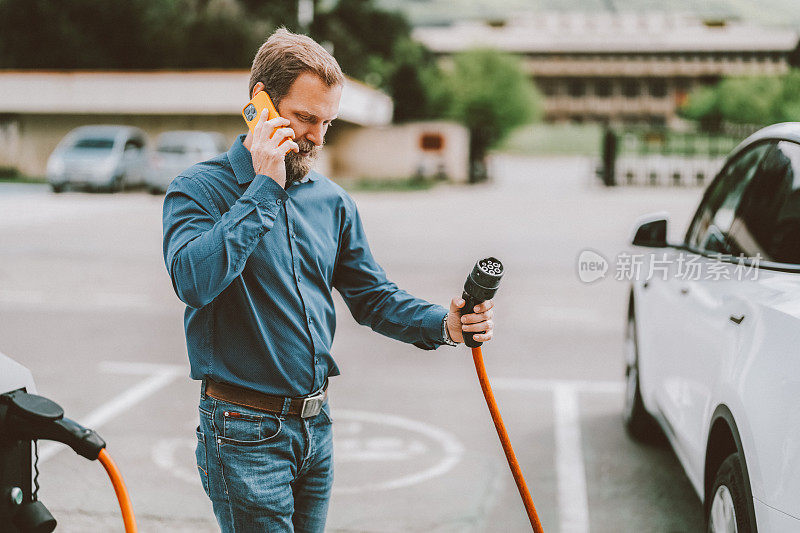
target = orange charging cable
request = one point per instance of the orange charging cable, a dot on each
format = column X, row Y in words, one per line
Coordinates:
column 477, row 356
column 122, row 492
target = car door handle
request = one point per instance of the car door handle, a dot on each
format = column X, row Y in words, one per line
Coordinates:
column 736, row 319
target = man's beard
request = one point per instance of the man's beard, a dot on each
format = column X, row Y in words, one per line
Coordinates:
column 297, row 164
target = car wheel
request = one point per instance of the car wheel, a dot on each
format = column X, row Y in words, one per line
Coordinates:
column 727, row 511
column 156, row 190
column 640, row 424
column 57, row 188
column 117, row 184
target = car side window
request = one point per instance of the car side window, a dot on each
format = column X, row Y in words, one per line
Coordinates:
column 767, row 223
column 133, row 145
column 714, row 217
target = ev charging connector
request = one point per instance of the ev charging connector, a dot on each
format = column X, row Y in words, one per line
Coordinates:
column 30, row 417
column 481, row 285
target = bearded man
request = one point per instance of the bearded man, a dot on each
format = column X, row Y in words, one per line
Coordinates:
column 254, row 242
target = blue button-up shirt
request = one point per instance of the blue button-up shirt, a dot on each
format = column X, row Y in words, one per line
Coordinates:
column 255, row 265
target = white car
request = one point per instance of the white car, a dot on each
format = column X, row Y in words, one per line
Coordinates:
column 178, row 150
column 713, row 338
column 99, row 157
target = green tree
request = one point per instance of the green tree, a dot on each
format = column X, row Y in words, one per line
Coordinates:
column 362, row 35
column 787, row 108
column 746, row 100
column 703, row 106
column 749, row 100
column 413, row 80
column 489, row 93
column 375, row 45
column 134, row 34
column 184, row 33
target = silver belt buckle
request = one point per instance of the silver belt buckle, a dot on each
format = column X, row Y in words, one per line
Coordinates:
column 312, row 405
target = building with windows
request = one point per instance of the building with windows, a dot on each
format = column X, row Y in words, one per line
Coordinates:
column 625, row 68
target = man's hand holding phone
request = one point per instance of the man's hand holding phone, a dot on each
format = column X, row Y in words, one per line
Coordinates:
column 271, row 142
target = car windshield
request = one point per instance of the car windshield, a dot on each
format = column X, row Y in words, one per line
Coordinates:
column 184, row 143
column 94, row 143
column 174, row 149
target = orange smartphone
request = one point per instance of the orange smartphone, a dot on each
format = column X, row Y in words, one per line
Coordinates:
column 252, row 111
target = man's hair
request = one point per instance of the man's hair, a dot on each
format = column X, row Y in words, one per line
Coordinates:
column 286, row 55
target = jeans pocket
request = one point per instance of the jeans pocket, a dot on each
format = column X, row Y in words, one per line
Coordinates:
column 326, row 411
column 202, row 459
column 244, row 428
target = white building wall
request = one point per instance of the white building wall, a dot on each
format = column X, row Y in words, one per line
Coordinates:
column 392, row 152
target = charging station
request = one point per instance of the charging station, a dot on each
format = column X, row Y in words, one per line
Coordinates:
column 25, row 418
column 18, row 510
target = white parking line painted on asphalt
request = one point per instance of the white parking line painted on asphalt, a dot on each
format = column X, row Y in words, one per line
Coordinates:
column 52, row 209
column 165, row 452
column 573, row 504
column 23, row 297
column 125, row 367
column 159, row 377
column 93, row 301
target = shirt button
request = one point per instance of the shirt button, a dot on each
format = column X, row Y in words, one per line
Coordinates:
column 278, row 201
column 316, row 360
column 310, row 320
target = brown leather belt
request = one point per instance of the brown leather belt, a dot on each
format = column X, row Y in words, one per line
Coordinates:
column 304, row 407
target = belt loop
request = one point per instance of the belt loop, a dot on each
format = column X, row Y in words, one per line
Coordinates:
column 285, row 409
column 203, row 388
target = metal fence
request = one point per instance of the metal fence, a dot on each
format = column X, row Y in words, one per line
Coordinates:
column 647, row 157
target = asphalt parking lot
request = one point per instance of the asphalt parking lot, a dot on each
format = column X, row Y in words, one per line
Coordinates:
column 86, row 304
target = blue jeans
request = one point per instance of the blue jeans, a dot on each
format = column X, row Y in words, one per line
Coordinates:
column 263, row 472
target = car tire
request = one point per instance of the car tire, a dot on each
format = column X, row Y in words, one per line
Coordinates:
column 57, row 188
column 156, row 190
column 727, row 508
column 640, row 424
column 117, row 184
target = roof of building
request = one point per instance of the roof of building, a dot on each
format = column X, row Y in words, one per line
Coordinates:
column 556, row 32
column 161, row 93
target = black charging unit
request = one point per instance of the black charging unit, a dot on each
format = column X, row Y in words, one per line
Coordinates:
column 25, row 418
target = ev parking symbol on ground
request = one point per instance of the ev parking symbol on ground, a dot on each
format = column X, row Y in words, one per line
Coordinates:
column 372, row 452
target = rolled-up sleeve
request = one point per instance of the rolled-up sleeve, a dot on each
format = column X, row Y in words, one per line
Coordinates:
column 205, row 250
column 375, row 301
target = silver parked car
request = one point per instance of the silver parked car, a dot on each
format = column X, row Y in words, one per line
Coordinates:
column 99, row 158
column 178, row 150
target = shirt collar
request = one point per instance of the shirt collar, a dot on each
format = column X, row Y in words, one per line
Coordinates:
column 242, row 163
